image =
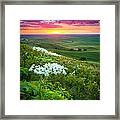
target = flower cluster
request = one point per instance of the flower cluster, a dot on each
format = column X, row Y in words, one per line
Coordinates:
column 48, row 68
column 54, row 54
column 45, row 51
column 40, row 49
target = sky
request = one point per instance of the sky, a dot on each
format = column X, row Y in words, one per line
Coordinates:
column 59, row 27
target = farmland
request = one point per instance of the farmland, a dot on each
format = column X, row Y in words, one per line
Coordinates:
column 78, row 47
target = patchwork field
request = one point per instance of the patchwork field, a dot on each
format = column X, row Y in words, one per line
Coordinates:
column 86, row 47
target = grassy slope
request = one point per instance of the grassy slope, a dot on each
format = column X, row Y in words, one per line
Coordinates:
column 83, row 84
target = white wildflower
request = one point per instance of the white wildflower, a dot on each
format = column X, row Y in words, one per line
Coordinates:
column 54, row 54
column 48, row 68
column 32, row 67
column 43, row 50
column 40, row 49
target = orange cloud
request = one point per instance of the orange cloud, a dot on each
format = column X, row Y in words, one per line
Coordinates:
column 65, row 30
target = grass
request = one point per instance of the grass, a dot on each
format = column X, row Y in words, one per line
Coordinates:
column 86, row 55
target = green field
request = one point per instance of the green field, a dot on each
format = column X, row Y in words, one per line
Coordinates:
column 83, row 48
column 60, row 68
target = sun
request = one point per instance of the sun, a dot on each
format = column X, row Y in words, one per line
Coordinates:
column 55, row 32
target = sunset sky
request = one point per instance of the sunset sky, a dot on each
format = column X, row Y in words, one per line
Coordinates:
column 59, row 27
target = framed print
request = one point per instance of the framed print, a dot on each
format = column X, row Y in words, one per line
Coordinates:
column 60, row 60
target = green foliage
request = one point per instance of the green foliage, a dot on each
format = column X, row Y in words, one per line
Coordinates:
column 24, row 73
column 82, row 81
column 43, row 90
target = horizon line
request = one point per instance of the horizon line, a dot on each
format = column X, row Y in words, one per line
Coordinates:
column 65, row 34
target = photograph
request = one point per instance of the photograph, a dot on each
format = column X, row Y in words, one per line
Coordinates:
column 60, row 59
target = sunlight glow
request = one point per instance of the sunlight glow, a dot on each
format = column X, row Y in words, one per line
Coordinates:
column 55, row 32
